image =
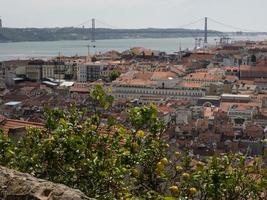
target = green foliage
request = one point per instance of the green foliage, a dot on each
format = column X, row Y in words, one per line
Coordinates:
column 52, row 117
column 225, row 177
column 145, row 118
column 114, row 75
column 118, row 162
column 100, row 161
column 101, row 98
column 6, row 149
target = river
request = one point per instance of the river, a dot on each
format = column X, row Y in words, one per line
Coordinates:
column 26, row 50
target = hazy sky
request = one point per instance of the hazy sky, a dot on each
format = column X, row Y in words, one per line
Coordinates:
column 248, row 14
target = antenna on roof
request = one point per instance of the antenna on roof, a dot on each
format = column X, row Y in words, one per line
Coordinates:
column 180, row 51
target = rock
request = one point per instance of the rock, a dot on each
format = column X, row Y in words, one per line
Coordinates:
column 19, row 186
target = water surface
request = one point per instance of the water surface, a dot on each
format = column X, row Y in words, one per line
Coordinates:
column 22, row 50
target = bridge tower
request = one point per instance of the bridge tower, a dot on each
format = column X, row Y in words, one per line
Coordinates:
column 93, row 30
column 206, row 32
column 1, row 25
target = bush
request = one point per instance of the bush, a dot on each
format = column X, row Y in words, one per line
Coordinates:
column 118, row 162
column 114, row 75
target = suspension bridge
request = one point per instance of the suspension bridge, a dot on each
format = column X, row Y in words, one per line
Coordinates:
column 203, row 25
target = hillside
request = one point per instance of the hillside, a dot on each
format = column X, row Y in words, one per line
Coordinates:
column 55, row 34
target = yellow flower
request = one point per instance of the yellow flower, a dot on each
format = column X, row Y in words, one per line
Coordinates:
column 179, row 168
column 164, row 161
column 177, row 154
column 160, row 166
column 192, row 191
column 174, row 189
column 140, row 134
column 185, row 176
column 167, row 145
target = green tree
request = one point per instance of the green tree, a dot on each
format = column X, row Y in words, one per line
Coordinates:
column 131, row 161
column 114, row 75
column 102, row 161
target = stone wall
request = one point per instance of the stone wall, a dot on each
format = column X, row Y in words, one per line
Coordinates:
column 18, row 186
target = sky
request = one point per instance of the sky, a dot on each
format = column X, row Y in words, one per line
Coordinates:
column 242, row 14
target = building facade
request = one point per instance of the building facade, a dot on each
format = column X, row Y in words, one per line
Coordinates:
column 134, row 92
column 48, row 71
column 89, row 72
column 34, row 72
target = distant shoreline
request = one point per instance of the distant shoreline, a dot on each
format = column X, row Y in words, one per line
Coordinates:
column 10, row 35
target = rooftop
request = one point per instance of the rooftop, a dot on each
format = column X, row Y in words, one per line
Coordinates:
column 7, row 124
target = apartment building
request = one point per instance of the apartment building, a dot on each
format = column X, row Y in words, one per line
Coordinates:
column 34, row 72
column 48, row 71
column 89, row 72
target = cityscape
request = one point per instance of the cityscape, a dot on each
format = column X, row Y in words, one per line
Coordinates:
column 134, row 122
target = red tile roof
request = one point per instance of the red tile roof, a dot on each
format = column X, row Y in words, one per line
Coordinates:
column 7, row 124
column 254, row 130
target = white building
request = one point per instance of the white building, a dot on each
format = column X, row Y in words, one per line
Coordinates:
column 82, row 73
column 135, row 85
column 10, row 69
column 89, row 72
column 135, row 92
column 48, row 71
